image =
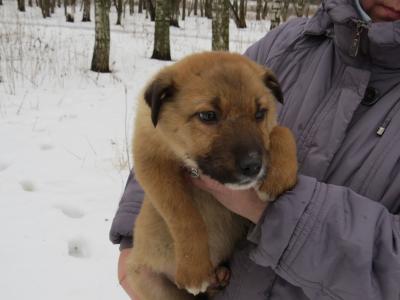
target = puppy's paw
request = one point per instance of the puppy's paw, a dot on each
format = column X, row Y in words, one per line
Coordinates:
column 195, row 278
column 282, row 169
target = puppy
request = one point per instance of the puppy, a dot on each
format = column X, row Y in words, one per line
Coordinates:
column 213, row 113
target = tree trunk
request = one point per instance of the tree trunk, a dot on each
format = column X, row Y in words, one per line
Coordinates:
column 1, row 2
column 140, row 7
column 21, row 5
column 161, row 33
column 52, row 6
column 174, row 13
column 265, row 10
column 152, row 10
column 285, row 10
column 208, row 9
column 258, row 9
column 236, row 18
column 236, row 5
column 275, row 13
column 58, row 3
column 71, row 15
column 242, row 14
column 196, row 2
column 65, row 8
column 201, row 8
column 101, row 53
column 45, row 6
column 30, row 4
column 131, row 7
column 183, row 10
column 118, row 6
column 299, row 7
column 220, row 25
column 86, row 11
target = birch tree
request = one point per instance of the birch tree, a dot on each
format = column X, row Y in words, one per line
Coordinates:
column 101, row 53
column 161, row 33
column 220, row 25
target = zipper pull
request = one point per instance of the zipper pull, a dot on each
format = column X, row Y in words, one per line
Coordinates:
column 355, row 44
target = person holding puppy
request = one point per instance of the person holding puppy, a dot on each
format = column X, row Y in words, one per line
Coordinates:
column 336, row 234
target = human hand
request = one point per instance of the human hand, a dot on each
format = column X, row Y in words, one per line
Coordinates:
column 245, row 203
column 122, row 274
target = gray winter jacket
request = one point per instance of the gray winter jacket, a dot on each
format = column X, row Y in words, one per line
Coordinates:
column 336, row 235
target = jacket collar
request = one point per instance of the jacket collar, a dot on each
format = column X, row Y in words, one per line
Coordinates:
column 360, row 43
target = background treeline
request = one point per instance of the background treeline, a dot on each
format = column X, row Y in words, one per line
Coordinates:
column 166, row 13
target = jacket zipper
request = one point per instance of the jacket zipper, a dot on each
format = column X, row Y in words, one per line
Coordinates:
column 355, row 44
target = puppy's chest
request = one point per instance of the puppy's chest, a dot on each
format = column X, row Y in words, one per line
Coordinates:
column 224, row 228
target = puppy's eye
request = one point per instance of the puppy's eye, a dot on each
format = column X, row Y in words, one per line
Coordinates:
column 208, row 116
column 260, row 114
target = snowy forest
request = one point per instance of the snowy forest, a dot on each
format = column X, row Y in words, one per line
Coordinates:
column 70, row 75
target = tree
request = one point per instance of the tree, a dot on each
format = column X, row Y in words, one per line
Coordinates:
column 265, row 9
column 258, row 9
column 196, row 2
column 220, row 25
column 21, row 5
column 275, row 13
column 161, row 33
column 174, row 13
column 140, row 6
column 101, row 53
column 208, row 9
column 240, row 23
column 299, row 7
column 1, row 2
column 183, row 10
column 151, row 9
column 86, row 11
column 118, row 6
column 131, row 7
column 45, row 7
column 242, row 13
column 70, row 16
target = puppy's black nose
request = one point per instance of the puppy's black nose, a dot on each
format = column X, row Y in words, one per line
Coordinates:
column 250, row 165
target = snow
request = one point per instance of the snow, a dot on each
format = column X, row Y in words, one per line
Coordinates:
column 64, row 144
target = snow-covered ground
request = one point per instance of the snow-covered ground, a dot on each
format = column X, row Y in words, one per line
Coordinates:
column 64, row 135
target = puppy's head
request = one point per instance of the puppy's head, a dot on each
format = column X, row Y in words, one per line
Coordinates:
column 216, row 110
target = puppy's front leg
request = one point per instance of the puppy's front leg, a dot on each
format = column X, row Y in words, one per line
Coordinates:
column 282, row 167
column 170, row 194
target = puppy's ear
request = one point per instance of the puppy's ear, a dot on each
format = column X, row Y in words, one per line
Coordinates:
column 159, row 91
column 272, row 83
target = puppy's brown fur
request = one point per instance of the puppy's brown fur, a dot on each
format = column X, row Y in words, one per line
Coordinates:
column 182, row 233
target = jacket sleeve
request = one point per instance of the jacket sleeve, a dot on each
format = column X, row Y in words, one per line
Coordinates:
column 129, row 206
column 331, row 242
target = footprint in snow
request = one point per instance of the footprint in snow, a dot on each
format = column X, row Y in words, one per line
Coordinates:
column 70, row 211
column 27, row 185
column 46, row 146
column 79, row 248
column 4, row 165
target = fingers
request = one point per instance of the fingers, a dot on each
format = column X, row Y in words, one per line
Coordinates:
column 208, row 184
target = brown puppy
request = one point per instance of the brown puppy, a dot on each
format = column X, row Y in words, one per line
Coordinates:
column 215, row 113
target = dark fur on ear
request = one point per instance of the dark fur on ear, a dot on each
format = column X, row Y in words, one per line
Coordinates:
column 272, row 83
column 157, row 93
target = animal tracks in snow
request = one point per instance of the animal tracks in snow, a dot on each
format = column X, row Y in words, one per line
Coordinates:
column 78, row 247
column 27, row 185
column 70, row 211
